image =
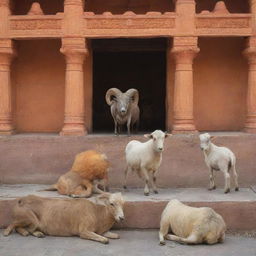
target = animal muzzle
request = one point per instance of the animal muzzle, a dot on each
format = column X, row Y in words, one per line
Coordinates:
column 123, row 111
column 121, row 218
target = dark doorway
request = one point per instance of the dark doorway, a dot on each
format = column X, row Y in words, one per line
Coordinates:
column 130, row 63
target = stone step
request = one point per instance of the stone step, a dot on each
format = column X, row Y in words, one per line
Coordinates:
column 237, row 208
column 131, row 242
column 36, row 158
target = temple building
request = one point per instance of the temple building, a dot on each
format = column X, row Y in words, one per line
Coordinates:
column 193, row 62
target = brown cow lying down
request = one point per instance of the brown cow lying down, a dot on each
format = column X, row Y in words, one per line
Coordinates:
column 89, row 169
column 191, row 225
column 68, row 217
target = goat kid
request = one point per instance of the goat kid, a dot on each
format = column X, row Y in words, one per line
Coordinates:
column 219, row 159
column 145, row 158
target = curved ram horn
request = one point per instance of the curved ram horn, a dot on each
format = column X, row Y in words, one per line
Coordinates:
column 111, row 92
column 133, row 93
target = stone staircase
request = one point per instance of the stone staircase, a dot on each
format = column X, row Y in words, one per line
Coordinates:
column 40, row 159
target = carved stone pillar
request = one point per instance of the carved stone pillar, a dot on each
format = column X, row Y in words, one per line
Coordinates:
column 6, row 55
column 250, row 53
column 184, row 51
column 75, row 52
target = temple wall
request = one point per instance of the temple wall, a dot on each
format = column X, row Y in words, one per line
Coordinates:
column 38, row 79
column 220, row 84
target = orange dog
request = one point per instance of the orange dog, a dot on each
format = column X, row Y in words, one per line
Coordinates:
column 89, row 169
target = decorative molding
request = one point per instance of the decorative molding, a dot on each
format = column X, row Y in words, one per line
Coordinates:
column 155, row 22
column 34, row 23
column 208, row 22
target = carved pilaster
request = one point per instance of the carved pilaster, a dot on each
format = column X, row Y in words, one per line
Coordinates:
column 75, row 52
column 6, row 55
column 73, row 18
column 253, row 12
column 4, row 13
column 250, row 54
column 185, row 21
column 184, row 52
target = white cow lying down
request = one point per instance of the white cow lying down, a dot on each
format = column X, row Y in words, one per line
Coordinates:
column 191, row 225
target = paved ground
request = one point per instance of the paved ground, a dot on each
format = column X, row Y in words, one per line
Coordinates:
column 183, row 194
column 132, row 242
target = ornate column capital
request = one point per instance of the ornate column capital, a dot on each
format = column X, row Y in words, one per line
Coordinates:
column 74, row 49
column 7, row 53
column 250, row 52
column 184, row 51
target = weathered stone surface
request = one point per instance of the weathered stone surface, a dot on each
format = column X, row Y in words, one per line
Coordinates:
column 139, row 243
column 237, row 208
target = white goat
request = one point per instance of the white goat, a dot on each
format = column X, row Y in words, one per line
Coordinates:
column 191, row 225
column 145, row 158
column 218, row 159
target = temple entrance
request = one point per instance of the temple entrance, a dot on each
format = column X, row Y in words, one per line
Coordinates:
column 130, row 63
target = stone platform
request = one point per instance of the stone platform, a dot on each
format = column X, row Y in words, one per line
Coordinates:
column 237, row 208
column 42, row 158
column 131, row 242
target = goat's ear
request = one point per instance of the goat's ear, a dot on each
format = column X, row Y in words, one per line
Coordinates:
column 212, row 137
column 149, row 136
column 104, row 197
column 168, row 135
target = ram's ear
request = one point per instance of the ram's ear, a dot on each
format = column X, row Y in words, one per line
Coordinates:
column 149, row 136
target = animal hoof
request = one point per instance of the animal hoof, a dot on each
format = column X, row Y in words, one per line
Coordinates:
column 125, row 187
column 39, row 234
column 212, row 188
column 237, row 189
column 105, row 241
column 227, row 191
column 6, row 233
column 146, row 193
column 162, row 243
column 155, row 191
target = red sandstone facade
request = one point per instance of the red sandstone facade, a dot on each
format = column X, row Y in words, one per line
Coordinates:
column 190, row 85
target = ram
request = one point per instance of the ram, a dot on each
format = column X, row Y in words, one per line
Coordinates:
column 124, row 108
